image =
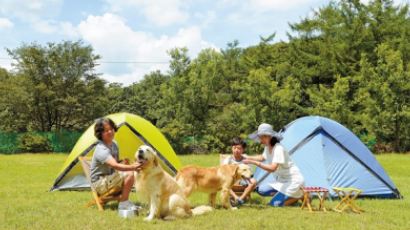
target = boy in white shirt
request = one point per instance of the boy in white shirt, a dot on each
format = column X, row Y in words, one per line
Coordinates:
column 237, row 157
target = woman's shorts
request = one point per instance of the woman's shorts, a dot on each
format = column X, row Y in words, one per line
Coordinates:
column 106, row 183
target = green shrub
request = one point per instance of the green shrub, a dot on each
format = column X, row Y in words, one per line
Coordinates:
column 195, row 145
column 34, row 143
column 369, row 140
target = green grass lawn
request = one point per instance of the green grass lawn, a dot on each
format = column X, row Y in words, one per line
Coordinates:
column 25, row 203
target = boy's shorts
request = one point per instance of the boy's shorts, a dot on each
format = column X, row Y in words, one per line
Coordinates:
column 243, row 182
column 106, row 183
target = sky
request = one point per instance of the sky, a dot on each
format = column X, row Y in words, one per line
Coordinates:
column 133, row 36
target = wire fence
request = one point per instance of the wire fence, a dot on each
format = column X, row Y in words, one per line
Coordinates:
column 58, row 141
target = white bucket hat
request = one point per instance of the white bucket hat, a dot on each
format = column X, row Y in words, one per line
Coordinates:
column 265, row 129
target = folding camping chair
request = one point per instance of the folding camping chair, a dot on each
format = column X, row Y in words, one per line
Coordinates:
column 100, row 200
column 236, row 188
column 347, row 197
column 320, row 192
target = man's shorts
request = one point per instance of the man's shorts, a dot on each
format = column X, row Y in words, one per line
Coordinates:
column 106, row 183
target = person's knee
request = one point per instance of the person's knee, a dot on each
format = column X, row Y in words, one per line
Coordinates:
column 129, row 177
column 251, row 186
column 251, row 182
column 130, row 174
column 266, row 191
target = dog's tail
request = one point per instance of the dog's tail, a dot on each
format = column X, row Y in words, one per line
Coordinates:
column 200, row 210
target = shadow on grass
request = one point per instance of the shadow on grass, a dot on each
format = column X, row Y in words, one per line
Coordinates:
column 261, row 203
column 113, row 205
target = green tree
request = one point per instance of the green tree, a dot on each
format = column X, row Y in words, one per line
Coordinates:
column 142, row 98
column 384, row 96
column 334, row 102
column 347, row 39
column 14, row 102
column 64, row 89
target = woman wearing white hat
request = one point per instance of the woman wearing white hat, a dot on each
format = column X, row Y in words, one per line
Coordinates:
column 286, row 189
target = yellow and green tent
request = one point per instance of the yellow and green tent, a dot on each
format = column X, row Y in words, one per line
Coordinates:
column 133, row 131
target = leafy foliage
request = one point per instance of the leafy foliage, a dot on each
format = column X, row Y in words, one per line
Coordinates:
column 348, row 61
column 34, row 143
column 58, row 89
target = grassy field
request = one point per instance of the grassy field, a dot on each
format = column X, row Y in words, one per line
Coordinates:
column 25, row 203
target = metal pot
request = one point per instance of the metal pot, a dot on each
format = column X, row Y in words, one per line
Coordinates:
column 127, row 213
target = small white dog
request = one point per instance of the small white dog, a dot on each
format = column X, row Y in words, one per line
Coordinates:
column 156, row 187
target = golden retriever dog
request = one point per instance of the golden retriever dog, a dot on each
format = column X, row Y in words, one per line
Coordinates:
column 211, row 180
column 156, row 187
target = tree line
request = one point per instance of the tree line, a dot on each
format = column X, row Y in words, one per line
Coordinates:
column 348, row 61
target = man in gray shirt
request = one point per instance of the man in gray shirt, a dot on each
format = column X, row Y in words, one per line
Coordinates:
column 101, row 154
column 106, row 171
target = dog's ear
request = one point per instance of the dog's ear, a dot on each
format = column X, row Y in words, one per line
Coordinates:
column 235, row 170
column 156, row 163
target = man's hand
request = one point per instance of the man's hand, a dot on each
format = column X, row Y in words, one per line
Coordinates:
column 123, row 167
column 138, row 166
column 124, row 161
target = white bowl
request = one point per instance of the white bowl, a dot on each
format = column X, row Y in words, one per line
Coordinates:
column 127, row 213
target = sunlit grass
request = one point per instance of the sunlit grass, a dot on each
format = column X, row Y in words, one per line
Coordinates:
column 25, row 203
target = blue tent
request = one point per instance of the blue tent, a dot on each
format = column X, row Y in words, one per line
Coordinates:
column 329, row 155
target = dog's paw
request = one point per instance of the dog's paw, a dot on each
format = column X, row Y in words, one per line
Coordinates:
column 234, row 208
column 169, row 218
column 148, row 218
